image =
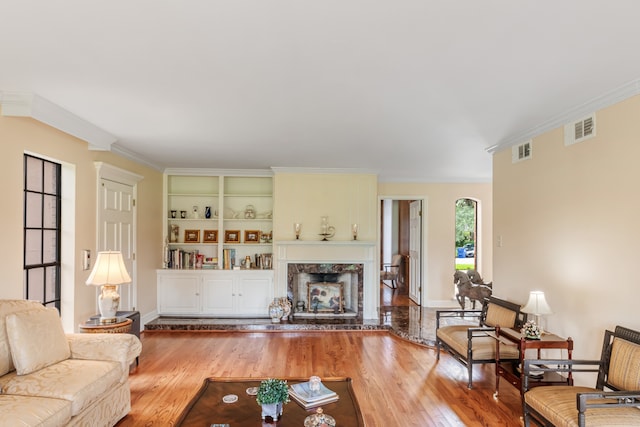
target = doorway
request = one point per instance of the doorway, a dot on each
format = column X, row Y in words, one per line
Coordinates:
column 401, row 233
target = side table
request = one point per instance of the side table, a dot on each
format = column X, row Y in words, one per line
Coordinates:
column 93, row 326
column 514, row 373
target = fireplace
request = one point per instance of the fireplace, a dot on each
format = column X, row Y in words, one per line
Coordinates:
column 343, row 279
column 352, row 263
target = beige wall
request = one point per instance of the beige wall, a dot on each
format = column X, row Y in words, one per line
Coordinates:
column 17, row 135
column 305, row 197
column 439, row 234
column 568, row 218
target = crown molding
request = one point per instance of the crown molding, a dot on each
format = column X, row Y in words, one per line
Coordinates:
column 215, row 171
column 133, row 156
column 26, row 104
column 324, row 170
column 598, row 103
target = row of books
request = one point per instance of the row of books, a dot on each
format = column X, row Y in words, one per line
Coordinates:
column 302, row 394
column 179, row 258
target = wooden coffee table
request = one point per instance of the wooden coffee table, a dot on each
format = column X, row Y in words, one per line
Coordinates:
column 207, row 407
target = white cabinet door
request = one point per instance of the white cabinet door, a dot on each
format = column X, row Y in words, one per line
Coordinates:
column 218, row 295
column 179, row 294
column 254, row 295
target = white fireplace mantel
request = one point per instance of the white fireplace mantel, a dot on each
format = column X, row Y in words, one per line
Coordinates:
column 331, row 252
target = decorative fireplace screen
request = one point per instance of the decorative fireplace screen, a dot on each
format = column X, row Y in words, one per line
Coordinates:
column 325, row 297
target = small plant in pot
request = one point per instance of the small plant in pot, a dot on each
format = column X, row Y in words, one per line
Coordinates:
column 272, row 395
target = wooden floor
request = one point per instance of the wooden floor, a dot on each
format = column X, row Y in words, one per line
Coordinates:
column 397, row 383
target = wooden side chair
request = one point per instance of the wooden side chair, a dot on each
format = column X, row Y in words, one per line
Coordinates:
column 473, row 344
column 614, row 401
column 391, row 271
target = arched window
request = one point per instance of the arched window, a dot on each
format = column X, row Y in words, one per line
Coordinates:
column 465, row 238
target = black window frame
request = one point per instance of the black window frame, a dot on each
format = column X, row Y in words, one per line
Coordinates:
column 51, row 299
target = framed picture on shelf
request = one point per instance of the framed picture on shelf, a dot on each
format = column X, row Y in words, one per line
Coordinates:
column 192, row 236
column 210, row 236
column 324, row 296
column 232, row 236
column 252, row 236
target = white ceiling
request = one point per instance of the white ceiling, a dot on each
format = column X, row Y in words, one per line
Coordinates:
column 416, row 90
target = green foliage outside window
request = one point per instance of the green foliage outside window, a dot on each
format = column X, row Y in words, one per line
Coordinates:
column 465, row 222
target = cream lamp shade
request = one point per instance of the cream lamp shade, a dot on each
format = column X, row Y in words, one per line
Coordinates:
column 109, row 272
column 537, row 305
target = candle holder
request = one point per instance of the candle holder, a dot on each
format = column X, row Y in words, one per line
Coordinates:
column 354, row 231
column 327, row 230
column 297, row 227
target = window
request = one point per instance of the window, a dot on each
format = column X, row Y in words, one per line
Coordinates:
column 42, row 193
column 466, row 223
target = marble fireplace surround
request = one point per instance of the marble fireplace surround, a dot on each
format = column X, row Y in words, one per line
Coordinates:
column 300, row 275
column 356, row 257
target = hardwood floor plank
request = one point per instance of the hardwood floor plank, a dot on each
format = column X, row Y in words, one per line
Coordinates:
column 396, row 382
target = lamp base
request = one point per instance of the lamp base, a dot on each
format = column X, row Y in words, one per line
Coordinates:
column 108, row 303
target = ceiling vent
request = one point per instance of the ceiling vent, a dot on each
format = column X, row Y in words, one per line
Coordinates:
column 580, row 130
column 521, row 152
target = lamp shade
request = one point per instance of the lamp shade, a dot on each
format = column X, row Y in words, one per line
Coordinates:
column 109, row 270
column 537, row 304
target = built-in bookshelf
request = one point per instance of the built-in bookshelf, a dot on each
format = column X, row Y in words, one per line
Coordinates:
column 218, row 219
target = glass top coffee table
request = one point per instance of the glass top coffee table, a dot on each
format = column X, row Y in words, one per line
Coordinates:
column 208, row 408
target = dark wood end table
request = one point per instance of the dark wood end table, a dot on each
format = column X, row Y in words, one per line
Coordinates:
column 514, row 373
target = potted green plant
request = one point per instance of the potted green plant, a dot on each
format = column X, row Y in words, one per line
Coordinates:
column 272, row 395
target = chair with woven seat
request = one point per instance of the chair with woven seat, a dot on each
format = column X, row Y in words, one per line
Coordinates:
column 473, row 344
column 615, row 400
column 391, row 271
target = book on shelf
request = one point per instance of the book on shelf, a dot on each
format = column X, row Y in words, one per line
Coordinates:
column 228, row 258
column 307, row 398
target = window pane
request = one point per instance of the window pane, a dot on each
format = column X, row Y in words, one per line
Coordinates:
column 34, row 210
column 51, row 283
column 50, row 177
column 34, row 174
column 49, row 248
column 36, row 284
column 32, row 247
column 50, row 211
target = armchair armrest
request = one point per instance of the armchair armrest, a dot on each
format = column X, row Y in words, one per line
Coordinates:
column 123, row 348
column 605, row 399
column 557, row 365
column 456, row 313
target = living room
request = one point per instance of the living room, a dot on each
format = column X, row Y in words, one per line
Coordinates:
column 563, row 220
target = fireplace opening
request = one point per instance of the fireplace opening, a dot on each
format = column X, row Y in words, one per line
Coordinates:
column 325, row 290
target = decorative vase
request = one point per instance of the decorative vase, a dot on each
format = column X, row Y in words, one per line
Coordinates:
column 286, row 308
column 273, row 410
column 207, row 212
column 275, row 310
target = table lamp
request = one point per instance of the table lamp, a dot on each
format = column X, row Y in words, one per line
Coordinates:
column 109, row 272
column 537, row 305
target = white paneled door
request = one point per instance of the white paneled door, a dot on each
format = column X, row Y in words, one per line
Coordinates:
column 415, row 250
column 115, row 219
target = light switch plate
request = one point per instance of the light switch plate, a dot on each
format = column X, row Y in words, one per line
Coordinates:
column 86, row 259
